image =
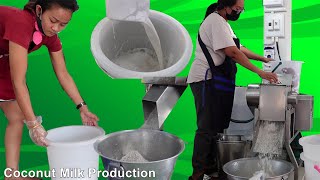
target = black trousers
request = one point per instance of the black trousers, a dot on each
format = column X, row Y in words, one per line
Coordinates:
column 213, row 116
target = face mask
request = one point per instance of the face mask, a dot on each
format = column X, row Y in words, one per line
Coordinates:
column 233, row 16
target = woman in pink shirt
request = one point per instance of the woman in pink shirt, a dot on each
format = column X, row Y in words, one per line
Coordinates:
column 22, row 32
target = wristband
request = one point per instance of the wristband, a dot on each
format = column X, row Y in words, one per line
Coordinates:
column 81, row 104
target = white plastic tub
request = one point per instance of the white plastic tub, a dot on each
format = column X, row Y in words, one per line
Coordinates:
column 111, row 37
column 71, row 150
column 312, row 171
column 292, row 68
column 311, row 147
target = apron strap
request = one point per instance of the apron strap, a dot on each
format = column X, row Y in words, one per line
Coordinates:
column 204, row 88
column 211, row 65
column 207, row 55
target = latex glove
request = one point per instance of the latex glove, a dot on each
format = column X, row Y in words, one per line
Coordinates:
column 88, row 118
column 272, row 77
column 37, row 132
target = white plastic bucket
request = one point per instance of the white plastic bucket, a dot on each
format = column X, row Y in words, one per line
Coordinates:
column 71, row 153
column 111, row 37
column 128, row 10
column 311, row 147
column 292, row 68
column 312, row 171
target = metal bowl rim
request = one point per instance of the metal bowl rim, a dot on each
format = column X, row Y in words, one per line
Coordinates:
column 244, row 159
column 128, row 131
column 226, row 142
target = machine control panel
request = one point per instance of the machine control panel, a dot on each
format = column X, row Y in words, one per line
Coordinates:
column 269, row 52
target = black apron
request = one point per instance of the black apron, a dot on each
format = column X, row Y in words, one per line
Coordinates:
column 222, row 84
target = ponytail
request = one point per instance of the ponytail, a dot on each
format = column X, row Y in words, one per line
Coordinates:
column 212, row 8
column 31, row 6
column 218, row 6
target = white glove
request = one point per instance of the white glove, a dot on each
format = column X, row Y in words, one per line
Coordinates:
column 37, row 132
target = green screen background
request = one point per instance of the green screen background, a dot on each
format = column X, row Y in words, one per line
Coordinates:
column 118, row 102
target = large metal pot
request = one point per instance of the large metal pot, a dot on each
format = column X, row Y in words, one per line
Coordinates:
column 231, row 147
column 159, row 148
column 245, row 168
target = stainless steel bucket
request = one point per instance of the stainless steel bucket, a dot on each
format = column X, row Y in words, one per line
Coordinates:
column 245, row 168
column 159, row 148
column 231, row 147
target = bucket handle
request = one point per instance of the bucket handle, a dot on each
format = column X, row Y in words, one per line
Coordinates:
column 115, row 166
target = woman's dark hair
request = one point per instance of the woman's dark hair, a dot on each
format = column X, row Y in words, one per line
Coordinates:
column 219, row 5
column 47, row 4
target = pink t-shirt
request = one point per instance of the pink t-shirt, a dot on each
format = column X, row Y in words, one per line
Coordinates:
column 18, row 26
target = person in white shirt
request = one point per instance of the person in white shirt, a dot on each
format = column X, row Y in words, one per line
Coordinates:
column 212, row 81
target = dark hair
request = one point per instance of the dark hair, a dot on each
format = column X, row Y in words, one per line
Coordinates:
column 47, row 4
column 219, row 5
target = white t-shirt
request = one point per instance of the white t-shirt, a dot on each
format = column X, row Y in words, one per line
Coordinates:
column 216, row 34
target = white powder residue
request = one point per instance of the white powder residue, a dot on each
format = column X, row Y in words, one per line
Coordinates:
column 155, row 41
column 133, row 157
column 144, row 59
column 259, row 175
column 139, row 59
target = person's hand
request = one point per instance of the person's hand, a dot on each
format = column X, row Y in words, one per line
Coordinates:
column 272, row 77
column 266, row 60
column 88, row 118
column 37, row 132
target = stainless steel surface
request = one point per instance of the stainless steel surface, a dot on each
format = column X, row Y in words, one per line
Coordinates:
column 231, row 147
column 242, row 118
column 285, row 79
column 289, row 137
column 176, row 81
column 303, row 105
column 158, row 103
column 244, row 169
column 160, row 99
column 161, row 149
column 273, row 102
column 253, row 94
column 241, row 113
column 229, row 138
column 304, row 112
column 301, row 174
column 298, row 116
